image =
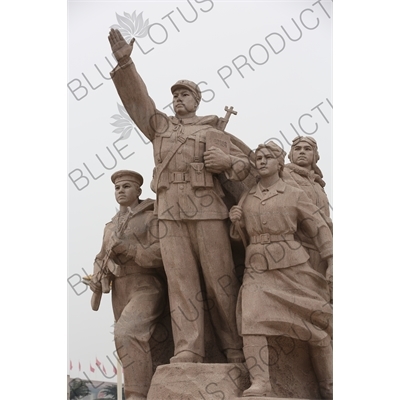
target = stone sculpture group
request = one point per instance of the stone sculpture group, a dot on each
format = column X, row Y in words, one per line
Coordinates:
column 218, row 206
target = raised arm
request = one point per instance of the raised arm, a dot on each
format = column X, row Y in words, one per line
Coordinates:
column 132, row 90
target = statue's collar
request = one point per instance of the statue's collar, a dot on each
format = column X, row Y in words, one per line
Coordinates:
column 273, row 190
column 144, row 205
column 312, row 175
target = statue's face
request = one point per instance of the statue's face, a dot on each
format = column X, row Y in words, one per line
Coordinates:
column 126, row 192
column 302, row 154
column 184, row 102
column 266, row 164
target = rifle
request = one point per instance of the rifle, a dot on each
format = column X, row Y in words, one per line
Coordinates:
column 105, row 283
column 224, row 121
column 103, row 278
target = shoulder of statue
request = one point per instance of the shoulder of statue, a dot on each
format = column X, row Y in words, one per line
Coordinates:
column 143, row 206
column 293, row 190
column 114, row 219
column 211, row 120
column 293, row 168
column 146, row 204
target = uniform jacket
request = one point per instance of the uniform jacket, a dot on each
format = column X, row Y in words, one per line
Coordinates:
column 271, row 218
column 312, row 184
column 140, row 238
column 177, row 197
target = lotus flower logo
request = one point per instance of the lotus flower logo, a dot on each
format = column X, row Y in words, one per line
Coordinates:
column 122, row 122
column 132, row 25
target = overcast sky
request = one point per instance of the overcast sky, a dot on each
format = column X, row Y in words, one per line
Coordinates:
column 242, row 54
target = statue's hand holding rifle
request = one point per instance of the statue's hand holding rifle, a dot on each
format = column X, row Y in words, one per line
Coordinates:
column 100, row 283
column 120, row 47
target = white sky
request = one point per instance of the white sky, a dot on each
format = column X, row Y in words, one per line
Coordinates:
column 270, row 98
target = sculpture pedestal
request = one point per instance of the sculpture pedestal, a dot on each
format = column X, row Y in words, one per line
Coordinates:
column 196, row 381
column 291, row 373
column 265, row 398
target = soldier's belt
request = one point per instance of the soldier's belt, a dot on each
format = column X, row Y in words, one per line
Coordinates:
column 178, row 177
column 268, row 238
column 198, row 176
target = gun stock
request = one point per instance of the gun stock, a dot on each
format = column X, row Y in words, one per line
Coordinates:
column 96, row 299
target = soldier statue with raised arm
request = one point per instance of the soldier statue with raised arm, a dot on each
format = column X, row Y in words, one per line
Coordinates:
column 196, row 248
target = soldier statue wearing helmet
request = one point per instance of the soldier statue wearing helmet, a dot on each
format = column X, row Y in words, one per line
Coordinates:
column 303, row 172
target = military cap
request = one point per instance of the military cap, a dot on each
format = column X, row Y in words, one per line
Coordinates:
column 311, row 141
column 126, row 175
column 185, row 84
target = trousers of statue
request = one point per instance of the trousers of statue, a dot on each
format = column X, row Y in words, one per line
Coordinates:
column 137, row 303
column 193, row 251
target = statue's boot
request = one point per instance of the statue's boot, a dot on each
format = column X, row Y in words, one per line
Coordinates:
column 138, row 389
column 322, row 361
column 234, row 355
column 258, row 370
column 186, row 356
column 132, row 394
column 138, row 371
column 140, row 385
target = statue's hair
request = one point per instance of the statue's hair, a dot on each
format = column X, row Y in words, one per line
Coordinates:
column 276, row 151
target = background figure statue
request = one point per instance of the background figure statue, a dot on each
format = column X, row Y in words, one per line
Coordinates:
column 130, row 258
column 304, row 173
column 281, row 294
column 196, row 248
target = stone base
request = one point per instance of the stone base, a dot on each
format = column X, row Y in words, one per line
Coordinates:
column 265, row 398
column 190, row 381
column 291, row 373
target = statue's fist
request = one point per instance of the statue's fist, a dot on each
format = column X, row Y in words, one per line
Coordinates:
column 95, row 286
column 216, row 161
column 235, row 214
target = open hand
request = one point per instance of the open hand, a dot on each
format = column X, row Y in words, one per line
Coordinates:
column 119, row 46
